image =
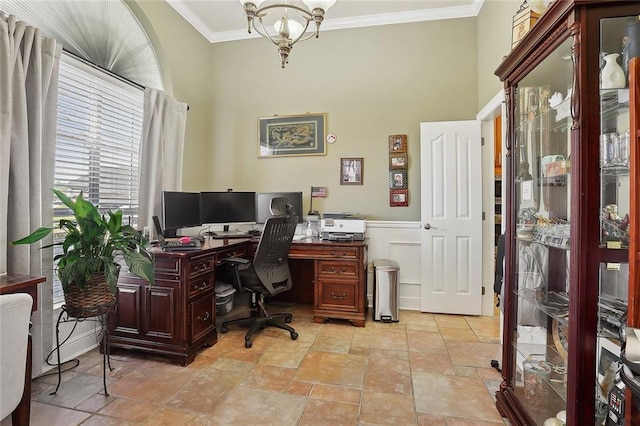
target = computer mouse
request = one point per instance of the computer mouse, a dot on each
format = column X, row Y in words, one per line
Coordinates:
column 185, row 240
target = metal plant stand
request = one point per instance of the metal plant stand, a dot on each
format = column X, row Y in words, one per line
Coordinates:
column 98, row 314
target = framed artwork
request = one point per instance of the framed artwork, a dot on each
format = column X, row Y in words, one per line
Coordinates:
column 398, row 161
column 398, row 179
column 398, row 143
column 351, row 171
column 292, row 135
column 399, row 198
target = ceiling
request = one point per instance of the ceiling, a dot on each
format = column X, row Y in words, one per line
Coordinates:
column 224, row 20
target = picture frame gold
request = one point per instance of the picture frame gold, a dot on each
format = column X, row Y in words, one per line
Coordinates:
column 351, row 171
column 292, row 135
column 398, row 160
column 397, row 143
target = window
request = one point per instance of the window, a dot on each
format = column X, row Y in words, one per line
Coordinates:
column 97, row 143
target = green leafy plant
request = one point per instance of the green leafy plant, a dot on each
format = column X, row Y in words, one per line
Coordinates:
column 94, row 244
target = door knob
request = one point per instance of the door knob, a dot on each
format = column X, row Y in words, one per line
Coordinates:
column 427, row 226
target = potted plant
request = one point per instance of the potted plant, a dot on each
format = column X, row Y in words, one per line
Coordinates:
column 93, row 245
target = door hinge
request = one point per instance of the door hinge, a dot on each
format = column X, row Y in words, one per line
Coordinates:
column 483, row 290
column 482, row 141
column 484, row 216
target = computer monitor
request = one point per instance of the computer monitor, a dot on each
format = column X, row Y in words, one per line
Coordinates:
column 180, row 210
column 228, row 207
column 263, row 203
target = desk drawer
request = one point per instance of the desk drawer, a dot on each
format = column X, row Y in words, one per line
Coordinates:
column 200, row 265
column 323, row 252
column 333, row 268
column 167, row 266
column 203, row 317
column 336, row 295
column 238, row 251
column 201, row 284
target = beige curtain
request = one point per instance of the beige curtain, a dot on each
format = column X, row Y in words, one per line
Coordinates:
column 161, row 151
column 28, row 112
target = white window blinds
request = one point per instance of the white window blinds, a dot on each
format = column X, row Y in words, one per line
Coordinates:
column 98, row 141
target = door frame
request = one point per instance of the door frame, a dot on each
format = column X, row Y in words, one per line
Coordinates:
column 496, row 106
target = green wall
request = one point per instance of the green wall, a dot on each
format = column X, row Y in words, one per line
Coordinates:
column 371, row 82
column 184, row 57
column 495, row 23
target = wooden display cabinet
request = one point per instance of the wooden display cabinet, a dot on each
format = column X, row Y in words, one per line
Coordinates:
column 570, row 214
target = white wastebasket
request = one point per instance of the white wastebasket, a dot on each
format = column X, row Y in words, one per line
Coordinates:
column 385, row 290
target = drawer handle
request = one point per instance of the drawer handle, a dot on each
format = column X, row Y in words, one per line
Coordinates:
column 340, row 272
column 342, row 296
column 201, row 286
column 201, row 268
column 334, row 254
column 206, row 317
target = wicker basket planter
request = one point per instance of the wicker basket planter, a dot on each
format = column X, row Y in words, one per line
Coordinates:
column 95, row 299
column 95, row 245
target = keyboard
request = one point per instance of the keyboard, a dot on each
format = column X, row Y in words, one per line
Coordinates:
column 230, row 236
column 172, row 244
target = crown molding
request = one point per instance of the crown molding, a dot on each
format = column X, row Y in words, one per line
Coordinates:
column 335, row 24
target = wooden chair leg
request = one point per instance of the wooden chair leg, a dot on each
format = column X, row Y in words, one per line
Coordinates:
column 21, row 415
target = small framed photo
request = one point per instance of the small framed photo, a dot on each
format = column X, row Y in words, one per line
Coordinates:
column 398, row 179
column 399, row 198
column 398, row 161
column 351, row 171
column 398, row 143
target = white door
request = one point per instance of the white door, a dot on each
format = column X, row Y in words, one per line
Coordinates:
column 451, row 213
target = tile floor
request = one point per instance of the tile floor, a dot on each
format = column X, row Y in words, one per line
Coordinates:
column 426, row 369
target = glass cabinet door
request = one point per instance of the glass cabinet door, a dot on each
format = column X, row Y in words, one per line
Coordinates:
column 542, row 192
column 615, row 48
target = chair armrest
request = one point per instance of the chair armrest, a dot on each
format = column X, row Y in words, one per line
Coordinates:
column 236, row 261
column 237, row 264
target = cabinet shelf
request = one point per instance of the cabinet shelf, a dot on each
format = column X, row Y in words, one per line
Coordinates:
column 553, row 305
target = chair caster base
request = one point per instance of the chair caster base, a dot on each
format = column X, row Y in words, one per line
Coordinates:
column 248, row 344
column 224, row 329
column 294, row 335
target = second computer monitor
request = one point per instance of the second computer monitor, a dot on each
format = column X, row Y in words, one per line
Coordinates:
column 227, row 207
column 263, row 204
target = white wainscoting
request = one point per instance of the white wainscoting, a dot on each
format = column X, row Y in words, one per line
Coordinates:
column 398, row 241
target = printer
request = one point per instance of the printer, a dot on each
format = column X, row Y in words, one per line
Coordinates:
column 343, row 229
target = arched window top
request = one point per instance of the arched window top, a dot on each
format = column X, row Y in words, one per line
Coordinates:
column 104, row 32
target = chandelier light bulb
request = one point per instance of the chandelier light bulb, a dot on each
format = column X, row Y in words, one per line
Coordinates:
column 288, row 28
column 319, row 4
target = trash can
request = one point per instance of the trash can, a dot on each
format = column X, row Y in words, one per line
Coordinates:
column 224, row 298
column 385, row 290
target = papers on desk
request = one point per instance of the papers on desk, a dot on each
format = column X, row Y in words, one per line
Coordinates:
column 299, row 237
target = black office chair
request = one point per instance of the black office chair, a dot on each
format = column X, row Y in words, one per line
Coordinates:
column 268, row 274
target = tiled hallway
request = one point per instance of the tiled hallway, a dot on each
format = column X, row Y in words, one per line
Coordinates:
column 425, row 370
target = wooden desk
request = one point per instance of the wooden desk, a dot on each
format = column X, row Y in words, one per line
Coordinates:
column 23, row 284
column 176, row 315
column 335, row 274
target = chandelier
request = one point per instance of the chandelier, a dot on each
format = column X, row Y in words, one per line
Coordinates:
column 288, row 30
